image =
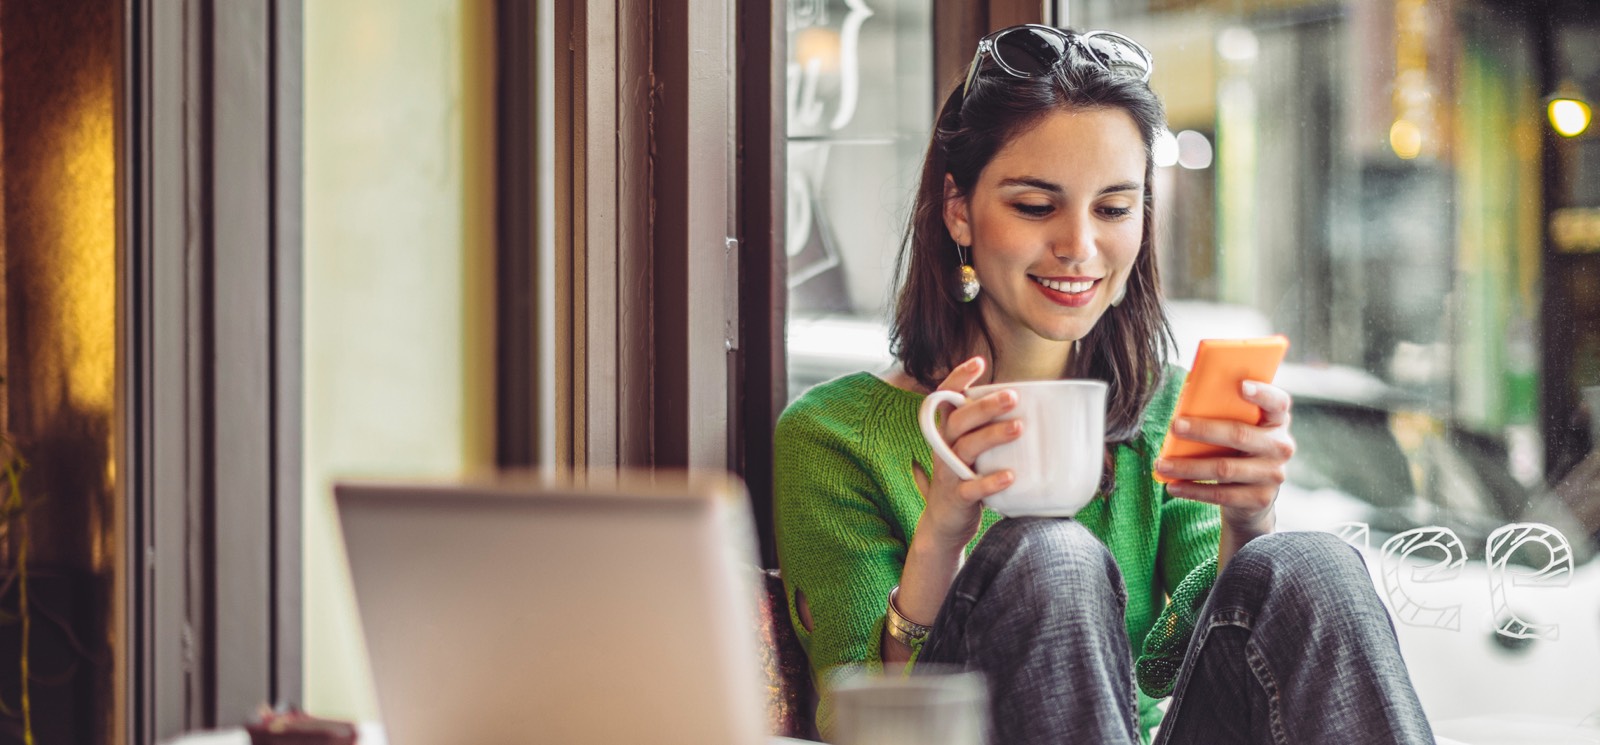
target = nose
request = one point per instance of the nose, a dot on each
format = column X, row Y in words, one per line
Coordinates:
column 1073, row 241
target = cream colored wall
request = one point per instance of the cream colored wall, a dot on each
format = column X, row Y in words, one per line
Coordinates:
column 398, row 335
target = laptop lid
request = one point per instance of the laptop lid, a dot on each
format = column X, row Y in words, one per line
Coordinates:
column 527, row 610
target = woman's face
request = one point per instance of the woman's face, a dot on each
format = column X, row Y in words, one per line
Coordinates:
column 1054, row 222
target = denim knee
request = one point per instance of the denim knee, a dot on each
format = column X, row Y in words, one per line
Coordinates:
column 1044, row 556
column 1303, row 562
column 1045, row 538
column 1305, row 549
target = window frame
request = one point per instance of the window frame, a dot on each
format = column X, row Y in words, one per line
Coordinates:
column 209, row 363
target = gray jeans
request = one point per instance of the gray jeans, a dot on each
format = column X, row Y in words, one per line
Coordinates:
column 1292, row 645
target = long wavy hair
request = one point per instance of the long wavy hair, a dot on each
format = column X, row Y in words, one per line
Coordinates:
column 932, row 331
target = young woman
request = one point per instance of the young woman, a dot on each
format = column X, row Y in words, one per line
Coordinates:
column 1029, row 256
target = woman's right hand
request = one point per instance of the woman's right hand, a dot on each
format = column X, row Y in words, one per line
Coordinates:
column 954, row 506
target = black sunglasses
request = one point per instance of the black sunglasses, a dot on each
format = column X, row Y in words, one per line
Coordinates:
column 1031, row 50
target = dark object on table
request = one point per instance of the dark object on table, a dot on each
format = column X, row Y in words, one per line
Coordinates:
column 291, row 726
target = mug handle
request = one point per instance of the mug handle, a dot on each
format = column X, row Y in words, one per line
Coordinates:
column 930, row 431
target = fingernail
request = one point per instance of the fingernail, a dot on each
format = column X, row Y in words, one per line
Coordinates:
column 1180, row 425
column 1014, row 427
column 970, row 364
column 1163, row 465
column 1249, row 388
column 1008, row 398
column 1007, row 477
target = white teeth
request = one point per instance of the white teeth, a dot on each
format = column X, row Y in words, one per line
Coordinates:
column 1072, row 288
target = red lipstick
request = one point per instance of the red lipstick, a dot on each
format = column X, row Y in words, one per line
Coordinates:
column 1067, row 299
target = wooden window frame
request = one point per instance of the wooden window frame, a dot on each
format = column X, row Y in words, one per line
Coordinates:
column 209, row 362
column 617, row 314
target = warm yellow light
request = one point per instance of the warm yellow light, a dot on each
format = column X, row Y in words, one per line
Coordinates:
column 1569, row 116
column 1406, row 139
column 82, row 287
column 818, row 45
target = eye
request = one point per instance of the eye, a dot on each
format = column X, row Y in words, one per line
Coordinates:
column 1116, row 213
column 1033, row 210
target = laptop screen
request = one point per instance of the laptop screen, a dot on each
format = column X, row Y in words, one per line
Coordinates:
column 527, row 610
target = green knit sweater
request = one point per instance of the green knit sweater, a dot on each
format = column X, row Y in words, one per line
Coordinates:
column 847, row 505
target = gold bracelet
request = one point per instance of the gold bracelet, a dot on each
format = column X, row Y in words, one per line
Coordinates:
column 902, row 629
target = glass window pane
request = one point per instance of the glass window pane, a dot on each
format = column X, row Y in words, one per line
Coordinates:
column 1375, row 193
column 860, row 104
column 1385, row 183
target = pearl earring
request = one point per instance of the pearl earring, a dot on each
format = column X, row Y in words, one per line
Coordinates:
column 969, row 277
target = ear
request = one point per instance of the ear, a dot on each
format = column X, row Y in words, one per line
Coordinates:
column 956, row 217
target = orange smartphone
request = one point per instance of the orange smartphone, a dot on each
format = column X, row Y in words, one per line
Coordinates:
column 1211, row 390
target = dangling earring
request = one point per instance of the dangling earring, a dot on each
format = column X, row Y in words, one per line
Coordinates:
column 969, row 278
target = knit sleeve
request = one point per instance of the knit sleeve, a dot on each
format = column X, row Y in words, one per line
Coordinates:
column 834, row 544
column 1186, row 561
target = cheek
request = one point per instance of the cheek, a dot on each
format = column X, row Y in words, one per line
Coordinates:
column 1127, row 243
column 1128, row 237
column 1003, row 242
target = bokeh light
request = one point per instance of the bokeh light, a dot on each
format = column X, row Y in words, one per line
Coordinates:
column 1569, row 116
column 1164, row 151
column 1406, row 139
column 1194, row 150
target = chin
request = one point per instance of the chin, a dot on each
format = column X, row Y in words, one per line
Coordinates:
column 1064, row 334
column 1074, row 330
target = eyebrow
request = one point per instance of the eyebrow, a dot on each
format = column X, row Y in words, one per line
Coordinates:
column 1054, row 188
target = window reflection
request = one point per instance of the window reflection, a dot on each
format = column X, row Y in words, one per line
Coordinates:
column 860, row 102
column 1389, row 184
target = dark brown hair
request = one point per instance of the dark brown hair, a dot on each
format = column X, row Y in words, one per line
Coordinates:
column 932, row 330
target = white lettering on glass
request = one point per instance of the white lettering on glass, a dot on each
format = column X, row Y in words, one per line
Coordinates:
column 1397, row 552
column 1556, row 572
column 849, row 62
column 1355, row 534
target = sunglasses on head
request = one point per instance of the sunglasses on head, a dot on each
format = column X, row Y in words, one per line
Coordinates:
column 1031, row 50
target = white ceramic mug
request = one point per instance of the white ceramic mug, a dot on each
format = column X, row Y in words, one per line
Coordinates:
column 1056, row 460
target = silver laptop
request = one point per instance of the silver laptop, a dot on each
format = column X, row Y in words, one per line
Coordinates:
column 529, row 611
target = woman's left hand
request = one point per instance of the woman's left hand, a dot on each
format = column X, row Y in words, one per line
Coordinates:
column 1246, row 483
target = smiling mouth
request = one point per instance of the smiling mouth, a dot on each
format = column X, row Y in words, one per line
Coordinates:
column 1068, row 287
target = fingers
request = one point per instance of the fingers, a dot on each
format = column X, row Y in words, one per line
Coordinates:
column 971, row 430
column 1240, row 486
column 973, row 491
column 976, row 442
column 978, row 413
column 1253, row 475
column 968, row 448
column 1224, row 470
column 1245, row 498
column 1248, row 481
column 1274, row 402
column 964, row 375
column 985, row 486
column 1270, row 439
